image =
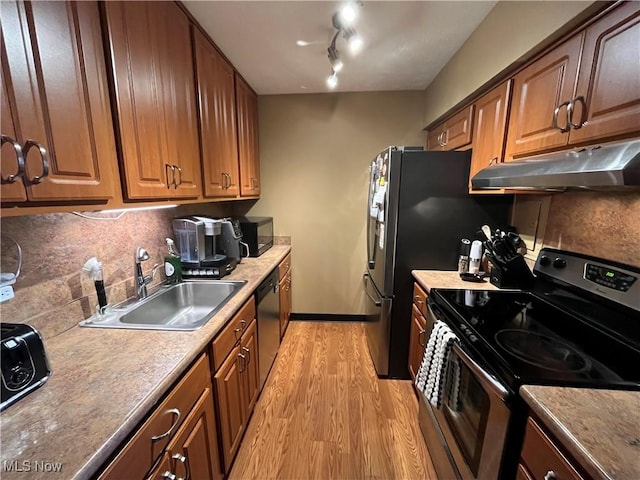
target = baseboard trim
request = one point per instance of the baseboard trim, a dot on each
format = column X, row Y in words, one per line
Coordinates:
column 327, row 317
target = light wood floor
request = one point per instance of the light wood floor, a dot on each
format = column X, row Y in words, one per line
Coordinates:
column 324, row 414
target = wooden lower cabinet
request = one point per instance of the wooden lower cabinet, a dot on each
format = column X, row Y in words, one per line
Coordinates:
column 183, row 425
column 542, row 459
column 285, row 302
column 237, row 388
column 417, row 342
column 194, row 449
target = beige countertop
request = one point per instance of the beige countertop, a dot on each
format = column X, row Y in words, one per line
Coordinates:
column 448, row 279
column 599, row 428
column 104, row 383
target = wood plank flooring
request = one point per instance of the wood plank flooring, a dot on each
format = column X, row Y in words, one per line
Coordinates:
column 324, row 414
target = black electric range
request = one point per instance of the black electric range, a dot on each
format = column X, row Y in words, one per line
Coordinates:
column 578, row 326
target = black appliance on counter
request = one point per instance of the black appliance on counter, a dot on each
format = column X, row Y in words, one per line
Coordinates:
column 257, row 233
column 419, row 209
column 24, row 362
column 579, row 326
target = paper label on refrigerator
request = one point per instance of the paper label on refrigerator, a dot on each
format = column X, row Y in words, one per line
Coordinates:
column 373, row 211
column 381, row 235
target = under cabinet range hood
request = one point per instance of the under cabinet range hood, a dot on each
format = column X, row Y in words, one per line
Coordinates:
column 606, row 167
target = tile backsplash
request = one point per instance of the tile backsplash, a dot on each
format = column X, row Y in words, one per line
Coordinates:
column 50, row 293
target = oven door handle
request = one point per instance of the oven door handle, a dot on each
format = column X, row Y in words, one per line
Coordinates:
column 487, row 380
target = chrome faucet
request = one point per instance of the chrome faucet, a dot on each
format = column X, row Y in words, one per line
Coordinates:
column 141, row 280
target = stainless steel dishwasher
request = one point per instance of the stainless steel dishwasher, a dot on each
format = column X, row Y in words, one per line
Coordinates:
column 268, row 301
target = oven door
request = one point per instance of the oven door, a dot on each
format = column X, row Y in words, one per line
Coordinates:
column 474, row 417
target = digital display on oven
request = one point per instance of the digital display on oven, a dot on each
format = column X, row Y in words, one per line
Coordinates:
column 609, row 278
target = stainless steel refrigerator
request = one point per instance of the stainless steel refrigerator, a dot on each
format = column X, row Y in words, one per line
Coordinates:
column 418, row 211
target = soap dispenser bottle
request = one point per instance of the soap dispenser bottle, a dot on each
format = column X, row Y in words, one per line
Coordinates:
column 172, row 264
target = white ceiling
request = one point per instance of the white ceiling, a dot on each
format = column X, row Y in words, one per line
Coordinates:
column 406, row 43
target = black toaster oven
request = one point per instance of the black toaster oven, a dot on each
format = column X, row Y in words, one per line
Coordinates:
column 257, row 233
column 24, row 362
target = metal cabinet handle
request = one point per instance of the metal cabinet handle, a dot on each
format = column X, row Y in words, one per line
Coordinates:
column 418, row 299
column 184, row 461
column 169, row 475
column 177, row 184
column 422, row 344
column 19, row 158
column 493, row 160
column 176, row 413
column 556, row 112
column 248, row 352
column 29, row 144
column 444, row 138
column 244, row 362
column 168, row 167
column 223, row 184
column 576, row 126
column 550, row 475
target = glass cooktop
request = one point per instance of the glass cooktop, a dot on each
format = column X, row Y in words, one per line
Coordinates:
column 534, row 338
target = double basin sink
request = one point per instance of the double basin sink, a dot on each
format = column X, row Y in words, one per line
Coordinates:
column 184, row 306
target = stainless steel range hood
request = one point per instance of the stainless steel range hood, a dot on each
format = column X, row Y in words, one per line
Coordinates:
column 607, row 167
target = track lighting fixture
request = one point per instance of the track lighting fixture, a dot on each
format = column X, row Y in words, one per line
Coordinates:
column 342, row 21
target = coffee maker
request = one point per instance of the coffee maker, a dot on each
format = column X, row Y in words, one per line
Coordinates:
column 198, row 244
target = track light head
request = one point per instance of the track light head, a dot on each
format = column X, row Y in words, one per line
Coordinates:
column 354, row 41
column 332, row 80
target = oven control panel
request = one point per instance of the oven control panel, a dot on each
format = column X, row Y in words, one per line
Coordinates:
column 609, row 277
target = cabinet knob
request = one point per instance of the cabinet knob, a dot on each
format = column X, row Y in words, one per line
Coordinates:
column 19, row 158
column 550, row 475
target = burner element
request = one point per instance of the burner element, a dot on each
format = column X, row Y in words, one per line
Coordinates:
column 542, row 351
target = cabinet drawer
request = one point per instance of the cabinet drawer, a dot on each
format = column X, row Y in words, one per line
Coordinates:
column 284, row 266
column 230, row 335
column 420, row 299
column 541, row 456
column 139, row 455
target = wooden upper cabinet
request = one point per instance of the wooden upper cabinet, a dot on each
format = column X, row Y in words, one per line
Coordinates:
column 454, row 133
column 247, row 112
column 584, row 91
column 541, row 93
column 55, row 104
column 490, row 128
column 217, row 113
column 152, row 67
column 608, row 90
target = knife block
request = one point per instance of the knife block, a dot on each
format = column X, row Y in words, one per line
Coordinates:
column 513, row 274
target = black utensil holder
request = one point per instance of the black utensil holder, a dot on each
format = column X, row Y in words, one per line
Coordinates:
column 513, row 274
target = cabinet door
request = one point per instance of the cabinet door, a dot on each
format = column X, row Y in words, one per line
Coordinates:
column 247, row 111
column 136, row 42
column 181, row 118
column 56, row 86
column 417, row 341
column 490, row 128
column 251, row 370
column 12, row 188
column 194, row 449
column 231, row 407
column 540, row 90
column 608, row 92
column 434, row 139
column 457, row 129
column 218, row 132
column 285, row 302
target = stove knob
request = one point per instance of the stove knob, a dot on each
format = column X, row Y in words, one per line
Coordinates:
column 559, row 262
column 545, row 261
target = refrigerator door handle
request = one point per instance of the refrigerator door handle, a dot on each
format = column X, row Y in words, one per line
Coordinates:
column 377, row 303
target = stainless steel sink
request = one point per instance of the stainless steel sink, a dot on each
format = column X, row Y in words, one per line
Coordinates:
column 185, row 306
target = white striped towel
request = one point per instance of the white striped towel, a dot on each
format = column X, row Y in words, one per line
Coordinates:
column 430, row 377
